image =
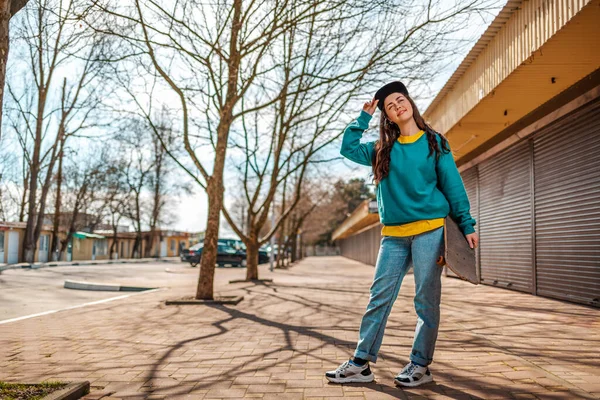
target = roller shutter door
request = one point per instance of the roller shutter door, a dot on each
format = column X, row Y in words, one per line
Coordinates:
column 469, row 178
column 505, row 219
column 567, row 207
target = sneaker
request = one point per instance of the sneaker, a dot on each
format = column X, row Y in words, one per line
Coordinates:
column 413, row 375
column 349, row 372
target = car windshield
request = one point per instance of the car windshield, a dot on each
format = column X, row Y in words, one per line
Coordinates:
column 223, row 248
column 197, row 246
column 235, row 243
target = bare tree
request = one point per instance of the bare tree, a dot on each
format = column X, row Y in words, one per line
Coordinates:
column 8, row 8
column 9, row 190
column 225, row 61
column 339, row 199
column 85, row 197
column 320, row 75
column 137, row 168
column 13, row 187
column 54, row 246
column 158, row 181
column 145, row 186
column 314, row 194
column 46, row 111
column 117, row 200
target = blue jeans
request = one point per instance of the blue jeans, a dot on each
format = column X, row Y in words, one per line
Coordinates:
column 396, row 255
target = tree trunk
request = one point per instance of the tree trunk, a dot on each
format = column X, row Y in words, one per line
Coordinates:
column 31, row 236
column 65, row 243
column 156, row 207
column 43, row 197
column 30, row 245
column 214, row 187
column 214, row 190
column 133, row 248
column 294, row 237
column 24, row 197
column 54, row 248
column 150, row 246
column 135, row 252
column 30, row 241
column 252, row 257
column 4, row 46
column 115, row 244
column 8, row 8
column 280, row 247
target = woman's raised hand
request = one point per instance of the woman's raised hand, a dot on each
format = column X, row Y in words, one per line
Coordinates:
column 370, row 106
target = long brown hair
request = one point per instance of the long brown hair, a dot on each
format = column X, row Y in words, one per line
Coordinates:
column 389, row 133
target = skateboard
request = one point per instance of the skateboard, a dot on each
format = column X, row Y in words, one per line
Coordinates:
column 458, row 256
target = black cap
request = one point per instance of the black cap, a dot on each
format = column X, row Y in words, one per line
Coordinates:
column 386, row 90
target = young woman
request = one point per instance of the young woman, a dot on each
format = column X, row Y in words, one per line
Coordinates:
column 418, row 185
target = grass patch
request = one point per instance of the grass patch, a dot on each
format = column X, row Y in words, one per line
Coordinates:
column 23, row 391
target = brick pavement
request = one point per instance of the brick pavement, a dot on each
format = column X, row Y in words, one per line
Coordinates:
column 276, row 344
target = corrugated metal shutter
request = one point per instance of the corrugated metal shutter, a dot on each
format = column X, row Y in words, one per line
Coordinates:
column 567, row 197
column 363, row 246
column 506, row 253
column 469, row 178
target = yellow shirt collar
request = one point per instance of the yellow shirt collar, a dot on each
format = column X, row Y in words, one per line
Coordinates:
column 411, row 138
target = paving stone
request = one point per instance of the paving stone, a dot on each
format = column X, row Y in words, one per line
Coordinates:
column 266, row 388
column 226, row 393
column 278, row 343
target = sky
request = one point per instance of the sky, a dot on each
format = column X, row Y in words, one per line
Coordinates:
column 192, row 210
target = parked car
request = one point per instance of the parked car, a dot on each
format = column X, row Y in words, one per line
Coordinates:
column 264, row 255
column 186, row 254
column 235, row 243
column 226, row 255
column 194, row 252
column 263, row 251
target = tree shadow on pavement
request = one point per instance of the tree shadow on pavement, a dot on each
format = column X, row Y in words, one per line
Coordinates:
column 467, row 388
column 278, row 311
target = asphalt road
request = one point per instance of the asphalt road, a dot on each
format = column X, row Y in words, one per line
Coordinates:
column 25, row 292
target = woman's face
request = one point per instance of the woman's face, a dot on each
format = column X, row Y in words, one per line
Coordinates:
column 398, row 108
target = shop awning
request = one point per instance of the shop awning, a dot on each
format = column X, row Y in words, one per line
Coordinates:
column 85, row 235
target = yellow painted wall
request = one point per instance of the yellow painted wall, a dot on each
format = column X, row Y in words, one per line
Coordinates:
column 491, row 95
column 83, row 249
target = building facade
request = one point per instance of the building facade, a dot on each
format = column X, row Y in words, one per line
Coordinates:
column 522, row 115
column 95, row 245
column 12, row 235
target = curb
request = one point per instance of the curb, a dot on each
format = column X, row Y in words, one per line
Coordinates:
column 217, row 300
column 84, row 263
column 251, row 280
column 103, row 287
column 73, row 391
column 7, row 268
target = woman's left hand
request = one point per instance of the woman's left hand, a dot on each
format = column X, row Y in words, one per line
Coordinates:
column 473, row 239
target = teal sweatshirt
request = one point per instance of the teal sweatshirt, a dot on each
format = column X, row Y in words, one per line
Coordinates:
column 418, row 187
